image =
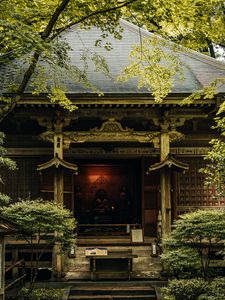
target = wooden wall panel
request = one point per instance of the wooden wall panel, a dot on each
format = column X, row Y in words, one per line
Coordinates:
column 190, row 190
column 24, row 182
column 47, row 187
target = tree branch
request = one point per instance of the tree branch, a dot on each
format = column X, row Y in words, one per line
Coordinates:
column 54, row 19
column 44, row 35
column 103, row 11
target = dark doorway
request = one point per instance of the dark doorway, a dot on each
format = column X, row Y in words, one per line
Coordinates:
column 108, row 193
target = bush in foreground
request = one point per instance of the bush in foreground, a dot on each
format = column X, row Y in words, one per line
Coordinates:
column 195, row 289
column 40, row 294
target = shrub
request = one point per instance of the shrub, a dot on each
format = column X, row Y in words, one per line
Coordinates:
column 182, row 289
column 217, row 286
column 200, row 231
column 40, row 294
column 195, row 289
column 182, row 262
column 216, row 290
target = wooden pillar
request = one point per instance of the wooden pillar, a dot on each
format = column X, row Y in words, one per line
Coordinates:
column 58, row 145
column 164, row 145
column 2, row 268
column 15, row 258
column 58, row 199
column 165, row 185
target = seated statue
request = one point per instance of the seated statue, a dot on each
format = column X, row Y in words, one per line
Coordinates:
column 101, row 202
column 102, row 208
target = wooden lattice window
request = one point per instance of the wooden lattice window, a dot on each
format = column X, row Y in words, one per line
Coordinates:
column 190, row 188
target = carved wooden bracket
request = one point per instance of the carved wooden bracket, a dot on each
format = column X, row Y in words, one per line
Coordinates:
column 175, row 136
column 168, row 163
column 57, row 163
column 169, row 123
column 56, row 123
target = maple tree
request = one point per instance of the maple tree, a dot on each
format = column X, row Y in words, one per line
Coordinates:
column 41, row 219
column 29, row 30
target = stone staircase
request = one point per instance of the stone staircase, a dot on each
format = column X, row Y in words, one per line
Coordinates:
column 122, row 290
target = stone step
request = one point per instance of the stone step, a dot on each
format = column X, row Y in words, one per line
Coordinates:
column 113, row 290
column 112, row 297
column 112, row 284
column 93, row 290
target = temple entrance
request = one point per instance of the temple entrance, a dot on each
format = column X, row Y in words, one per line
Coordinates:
column 110, row 196
column 108, row 193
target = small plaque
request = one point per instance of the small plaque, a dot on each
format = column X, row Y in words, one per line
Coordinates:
column 137, row 236
column 96, row 251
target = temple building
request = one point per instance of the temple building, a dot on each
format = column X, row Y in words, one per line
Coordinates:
column 125, row 165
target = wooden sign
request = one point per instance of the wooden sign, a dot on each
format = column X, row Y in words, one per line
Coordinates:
column 137, row 236
column 96, row 251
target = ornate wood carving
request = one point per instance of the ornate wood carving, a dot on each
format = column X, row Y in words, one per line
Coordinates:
column 55, row 122
column 111, row 131
column 175, row 136
column 170, row 123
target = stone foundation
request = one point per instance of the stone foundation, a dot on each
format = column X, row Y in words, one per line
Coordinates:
column 144, row 266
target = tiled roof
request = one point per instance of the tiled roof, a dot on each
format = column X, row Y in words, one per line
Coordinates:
column 198, row 69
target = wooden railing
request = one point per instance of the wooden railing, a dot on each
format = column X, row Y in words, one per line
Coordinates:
column 20, row 263
column 106, row 229
column 16, row 264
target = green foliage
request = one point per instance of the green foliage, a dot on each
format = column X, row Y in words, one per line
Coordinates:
column 217, row 288
column 215, row 169
column 181, row 262
column 195, row 289
column 5, row 163
column 58, row 95
column 29, row 31
column 188, row 289
column 31, row 28
column 208, row 92
column 199, row 231
column 215, row 158
column 41, row 221
column 41, row 218
column 154, row 67
column 191, row 23
column 194, row 227
column 40, row 294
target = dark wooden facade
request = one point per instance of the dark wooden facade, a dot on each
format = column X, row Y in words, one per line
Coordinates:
column 110, row 166
column 123, row 143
